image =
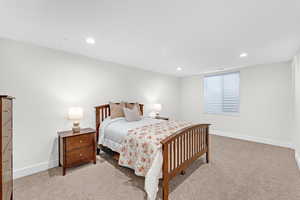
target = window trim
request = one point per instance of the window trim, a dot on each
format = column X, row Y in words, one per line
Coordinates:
column 234, row 114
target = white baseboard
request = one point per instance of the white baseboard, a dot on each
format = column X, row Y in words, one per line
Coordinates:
column 26, row 171
column 297, row 157
column 252, row 139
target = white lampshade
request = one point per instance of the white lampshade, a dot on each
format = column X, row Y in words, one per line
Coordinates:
column 75, row 113
column 157, row 107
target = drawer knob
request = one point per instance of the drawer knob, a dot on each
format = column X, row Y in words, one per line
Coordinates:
column 80, row 141
column 80, row 154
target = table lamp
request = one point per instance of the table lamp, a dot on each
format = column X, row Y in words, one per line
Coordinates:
column 157, row 108
column 76, row 114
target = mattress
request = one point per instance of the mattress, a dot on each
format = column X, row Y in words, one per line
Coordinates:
column 113, row 131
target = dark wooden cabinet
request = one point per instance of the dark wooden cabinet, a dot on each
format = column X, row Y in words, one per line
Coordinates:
column 76, row 148
column 6, row 132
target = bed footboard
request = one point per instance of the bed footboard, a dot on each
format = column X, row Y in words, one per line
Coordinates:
column 181, row 149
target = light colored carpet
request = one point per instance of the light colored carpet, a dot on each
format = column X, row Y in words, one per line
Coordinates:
column 239, row 170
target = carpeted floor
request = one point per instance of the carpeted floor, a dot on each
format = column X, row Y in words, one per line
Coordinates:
column 239, row 170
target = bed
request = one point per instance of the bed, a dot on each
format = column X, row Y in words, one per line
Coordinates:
column 168, row 156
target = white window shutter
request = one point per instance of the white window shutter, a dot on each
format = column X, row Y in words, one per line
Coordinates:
column 231, row 97
column 213, row 94
column 222, row 93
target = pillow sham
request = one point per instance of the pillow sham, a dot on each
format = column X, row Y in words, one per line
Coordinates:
column 131, row 106
column 116, row 110
column 132, row 114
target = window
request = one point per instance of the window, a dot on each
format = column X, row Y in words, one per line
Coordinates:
column 222, row 93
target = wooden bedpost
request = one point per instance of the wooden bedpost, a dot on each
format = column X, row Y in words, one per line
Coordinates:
column 181, row 149
column 207, row 145
column 97, row 123
column 165, row 172
column 102, row 112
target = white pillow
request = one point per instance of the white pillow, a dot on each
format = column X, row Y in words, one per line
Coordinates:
column 132, row 114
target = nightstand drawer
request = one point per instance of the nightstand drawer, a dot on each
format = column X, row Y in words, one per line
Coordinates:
column 79, row 156
column 79, row 141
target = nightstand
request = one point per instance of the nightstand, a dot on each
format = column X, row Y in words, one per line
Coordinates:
column 163, row 118
column 76, row 148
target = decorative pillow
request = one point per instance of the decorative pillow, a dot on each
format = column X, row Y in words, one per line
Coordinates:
column 132, row 114
column 131, row 106
column 116, row 110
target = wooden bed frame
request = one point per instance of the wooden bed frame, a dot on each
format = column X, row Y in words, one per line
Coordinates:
column 179, row 150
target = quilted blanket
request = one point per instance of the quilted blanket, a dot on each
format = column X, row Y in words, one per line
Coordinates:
column 139, row 147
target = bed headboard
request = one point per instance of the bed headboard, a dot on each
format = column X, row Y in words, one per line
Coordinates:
column 103, row 111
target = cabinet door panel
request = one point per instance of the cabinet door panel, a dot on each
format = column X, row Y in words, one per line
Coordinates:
column 6, row 154
column 7, row 183
column 6, row 136
column 4, row 191
column 6, row 111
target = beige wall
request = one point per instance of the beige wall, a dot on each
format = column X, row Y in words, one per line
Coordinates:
column 47, row 82
column 265, row 108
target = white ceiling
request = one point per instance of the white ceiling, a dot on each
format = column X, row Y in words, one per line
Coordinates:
column 160, row 35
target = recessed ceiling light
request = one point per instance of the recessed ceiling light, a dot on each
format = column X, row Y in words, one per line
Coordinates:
column 90, row 40
column 179, row 69
column 243, row 55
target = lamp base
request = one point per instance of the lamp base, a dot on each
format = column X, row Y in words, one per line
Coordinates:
column 76, row 127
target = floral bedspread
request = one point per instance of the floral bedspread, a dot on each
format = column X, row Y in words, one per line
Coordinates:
column 141, row 144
